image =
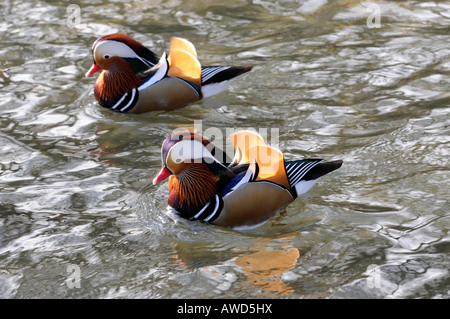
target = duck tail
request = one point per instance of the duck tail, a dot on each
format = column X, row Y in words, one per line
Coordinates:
column 303, row 174
column 215, row 79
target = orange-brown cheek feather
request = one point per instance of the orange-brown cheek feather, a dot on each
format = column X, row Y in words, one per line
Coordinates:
column 195, row 186
column 115, row 81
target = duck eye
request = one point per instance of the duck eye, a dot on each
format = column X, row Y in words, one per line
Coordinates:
column 106, row 56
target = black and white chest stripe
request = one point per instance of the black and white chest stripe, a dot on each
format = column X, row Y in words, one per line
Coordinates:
column 127, row 101
column 210, row 211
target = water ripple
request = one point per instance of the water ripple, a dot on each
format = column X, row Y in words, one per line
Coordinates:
column 75, row 179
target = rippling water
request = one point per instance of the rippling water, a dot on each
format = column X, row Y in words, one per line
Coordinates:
column 76, row 199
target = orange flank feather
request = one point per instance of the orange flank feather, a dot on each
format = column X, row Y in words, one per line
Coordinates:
column 183, row 61
column 242, row 141
column 250, row 148
column 270, row 164
column 182, row 44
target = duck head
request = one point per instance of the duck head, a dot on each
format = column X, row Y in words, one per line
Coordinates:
column 119, row 47
column 181, row 150
column 188, row 160
column 119, row 57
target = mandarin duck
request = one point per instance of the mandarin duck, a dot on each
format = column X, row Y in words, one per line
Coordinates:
column 133, row 78
column 255, row 186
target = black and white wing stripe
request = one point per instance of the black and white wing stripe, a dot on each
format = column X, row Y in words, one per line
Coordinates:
column 215, row 79
column 211, row 74
column 303, row 174
column 296, row 170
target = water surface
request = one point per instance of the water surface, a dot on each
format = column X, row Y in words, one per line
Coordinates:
column 75, row 179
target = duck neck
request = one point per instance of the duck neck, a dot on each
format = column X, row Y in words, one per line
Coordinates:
column 193, row 187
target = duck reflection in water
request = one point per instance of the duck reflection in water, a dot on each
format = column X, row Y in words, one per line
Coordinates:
column 263, row 267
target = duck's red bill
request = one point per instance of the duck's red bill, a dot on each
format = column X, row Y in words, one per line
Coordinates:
column 162, row 175
column 94, row 68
